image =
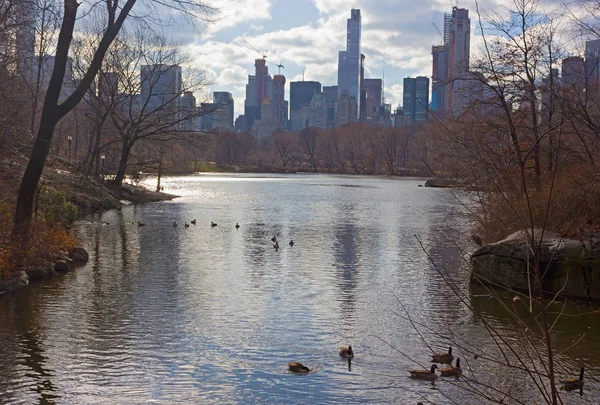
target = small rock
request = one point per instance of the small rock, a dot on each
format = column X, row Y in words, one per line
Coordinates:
column 61, row 267
column 40, row 273
column 79, row 255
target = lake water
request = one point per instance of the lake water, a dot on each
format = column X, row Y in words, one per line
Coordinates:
column 213, row 314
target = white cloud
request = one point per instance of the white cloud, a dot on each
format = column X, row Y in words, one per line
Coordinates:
column 233, row 12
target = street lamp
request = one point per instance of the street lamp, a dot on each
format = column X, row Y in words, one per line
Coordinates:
column 102, row 157
column 69, row 138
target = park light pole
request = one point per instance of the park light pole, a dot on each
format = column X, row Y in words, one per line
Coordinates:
column 102, row 157
column 69, row 138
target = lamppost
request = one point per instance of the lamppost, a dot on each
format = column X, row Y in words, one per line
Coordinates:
column 69, row 138
column 102, row 157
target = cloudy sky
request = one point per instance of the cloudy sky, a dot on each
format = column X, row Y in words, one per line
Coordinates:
column 306, row 35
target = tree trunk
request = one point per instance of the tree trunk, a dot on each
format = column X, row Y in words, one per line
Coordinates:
column 50, row 117
column 123, row 164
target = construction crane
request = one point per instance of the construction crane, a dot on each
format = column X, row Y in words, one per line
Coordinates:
column 279, row 66
column 438, row 30
column 264, row 54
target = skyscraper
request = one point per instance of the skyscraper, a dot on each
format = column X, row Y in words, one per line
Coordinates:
column 439, row 78
column 346, row 110
column 574, row 73
column 592, row 63
column 416, row 99
column 459, row 50
column 373, row 89
column 223, row 117
column 161, row 88
column 277, row 100
column 25, row 38
column 349, row 61
column 301, row 94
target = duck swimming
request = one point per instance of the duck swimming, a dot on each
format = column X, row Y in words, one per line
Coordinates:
column 452, row 371
column 237, row 226
column 424, row 374
column 213, row 224
column 570, row 384
column 291, row 243
column 193, row 222
column 296, row 367
column 443, row 357
column 346, row 352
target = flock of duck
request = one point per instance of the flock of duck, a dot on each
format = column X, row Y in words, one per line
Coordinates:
column 568, row 384
column 443, row 358
column 212, row 225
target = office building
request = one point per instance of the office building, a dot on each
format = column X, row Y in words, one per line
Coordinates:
column 416, row 99
column 277, row 100
column 458, row 56
column 439, row 79
column 161, row 89
column 373, row 89
column 574, row 73
column 592, row 63
column 317, row 116
column 346, row 112
column 301, row 93
column 331, row 95
column 24, row 14
column 188, row 111
column 223, row 117
column 349, row 61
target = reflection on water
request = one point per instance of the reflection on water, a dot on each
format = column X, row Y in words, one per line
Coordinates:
column 203, row 314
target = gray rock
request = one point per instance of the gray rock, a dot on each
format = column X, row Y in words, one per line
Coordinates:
column 17, row 280
column 40, row 273
column 61, row 267
column 79, row 255
column 569, row 266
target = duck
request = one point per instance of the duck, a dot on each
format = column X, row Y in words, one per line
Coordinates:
column 274, row 239
column 213, row 224
column 452, row 371
column 291, row 243
column 276, row 245
column 296, row 367
column 140, row 223
column 346, row 352
column 237, row 226
column 193, row 222
column 174, row 224
column 570, row 384
column 443, row 357
column 186, row 225
column 424, row 374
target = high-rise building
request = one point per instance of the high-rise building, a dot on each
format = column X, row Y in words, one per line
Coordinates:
column 346, row 110
column 331, row 95
column 301, row 94
column 277, row 100
column 25, row 39
column 317, row 117
column 573, row 73
column 161, row 89
column 223, row 117
column 416, row 99
column 362, row 113
column 349, row 61
column 261, row 74
column 439, row 78
column 251, row 109
column 188, row 111
column 459, row 49
column 373, row 89
column 592, row 63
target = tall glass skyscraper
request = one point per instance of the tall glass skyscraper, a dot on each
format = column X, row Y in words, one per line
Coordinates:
column 349, row 60
column 416, row 99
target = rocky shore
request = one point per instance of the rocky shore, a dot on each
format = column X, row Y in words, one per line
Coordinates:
column 571, row 267
column 88, row 194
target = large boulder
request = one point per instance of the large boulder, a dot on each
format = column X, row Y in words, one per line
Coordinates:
column 61, row 267
column 17, row 280
column 78, row 255
column 42, row 272
column 570, row 267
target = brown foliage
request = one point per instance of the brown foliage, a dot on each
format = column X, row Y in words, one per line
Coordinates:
column 48, row 240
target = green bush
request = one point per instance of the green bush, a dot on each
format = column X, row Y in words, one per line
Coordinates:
column 53, row 206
